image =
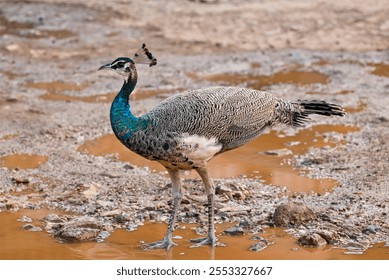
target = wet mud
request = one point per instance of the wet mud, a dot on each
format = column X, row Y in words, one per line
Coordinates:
column 23, row 238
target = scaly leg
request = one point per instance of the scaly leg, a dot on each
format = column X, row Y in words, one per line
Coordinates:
column 210, row 190
column 166, row 242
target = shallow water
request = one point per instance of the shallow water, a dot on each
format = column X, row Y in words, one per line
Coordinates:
column 16, row 244
column 267, row 158
column 22, row 161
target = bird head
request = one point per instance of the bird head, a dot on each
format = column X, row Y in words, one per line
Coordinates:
column 125, row 66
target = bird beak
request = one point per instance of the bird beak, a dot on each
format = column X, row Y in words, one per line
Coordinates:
column 105, row 66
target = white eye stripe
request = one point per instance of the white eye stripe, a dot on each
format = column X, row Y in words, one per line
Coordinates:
column 119, row 64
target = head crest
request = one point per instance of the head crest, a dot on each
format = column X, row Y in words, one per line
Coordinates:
column 143, row 56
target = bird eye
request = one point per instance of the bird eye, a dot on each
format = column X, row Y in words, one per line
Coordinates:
column 120, row 64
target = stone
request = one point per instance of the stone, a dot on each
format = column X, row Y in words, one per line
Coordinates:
column 370, row 229
column 25, row 219
column 280, row 152
column 31, row 227
column 235, row 230
column 102, row 235
column 77, row 234
column 259, row 246
column 311, row 240
column 222, row 190
column 292, row 214
column 54, row 218
column 235, row 208
column 132, row 227
column 330, row 236
column 18, row 180
column 245, row 224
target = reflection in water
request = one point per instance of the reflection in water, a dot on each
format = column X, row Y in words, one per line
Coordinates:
column 18, row 244
column 268, row 157
column 22, row 161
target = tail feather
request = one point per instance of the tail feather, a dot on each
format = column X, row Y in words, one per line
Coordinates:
column 303, row 108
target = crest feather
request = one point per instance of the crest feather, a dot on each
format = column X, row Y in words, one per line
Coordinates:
column 144, row 56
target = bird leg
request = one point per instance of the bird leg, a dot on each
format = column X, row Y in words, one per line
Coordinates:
column 166, row 242
column 210, row 190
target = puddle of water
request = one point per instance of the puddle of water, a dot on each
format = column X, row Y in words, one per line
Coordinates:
column 268, row 157
column 381, row 70
column 259, row 81
column 17, row 244
column 56, row 86
column 28, row 30
column 22, row 161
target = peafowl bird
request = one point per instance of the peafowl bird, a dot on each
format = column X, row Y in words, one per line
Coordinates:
column 188, row 129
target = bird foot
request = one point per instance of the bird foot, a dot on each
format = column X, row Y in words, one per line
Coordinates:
column 165, row 243
column 209, row 240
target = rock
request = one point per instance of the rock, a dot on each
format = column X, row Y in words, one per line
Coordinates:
column 311, row 240
column 79, row 229
column 102, row 235
column 23, row 181
column 257, row 237
column 54, row 218
column 25, row 219
column 111, row 213
column 222, row 190
column 238, row 195
column 235, row 230
column 330, row 236
column 235, row 208
column 245, row 224
column 77, row 234
column 292, row 214
column 370, row 229
column 31, row 227
column 259, row 246
column 280, row 152
column 355, row 246
column 132, row 227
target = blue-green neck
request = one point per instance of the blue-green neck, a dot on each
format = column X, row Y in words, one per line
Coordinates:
column 124, row 124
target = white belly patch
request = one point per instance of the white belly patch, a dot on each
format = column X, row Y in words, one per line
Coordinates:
column 198, row 148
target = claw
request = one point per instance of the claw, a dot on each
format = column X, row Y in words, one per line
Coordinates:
column 209, row 240
column 165, row 243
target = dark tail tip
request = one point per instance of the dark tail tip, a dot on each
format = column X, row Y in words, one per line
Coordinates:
column 320, row 107
column 316, row 107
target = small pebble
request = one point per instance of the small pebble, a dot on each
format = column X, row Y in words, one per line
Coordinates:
column 25, row 219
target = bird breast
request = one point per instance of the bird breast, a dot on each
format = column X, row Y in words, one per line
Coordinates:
column 198, row 149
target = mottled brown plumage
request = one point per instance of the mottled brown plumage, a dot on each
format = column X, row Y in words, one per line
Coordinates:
column 186, row 130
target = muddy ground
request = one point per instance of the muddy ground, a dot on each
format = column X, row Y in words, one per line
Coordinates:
column 55, row 47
